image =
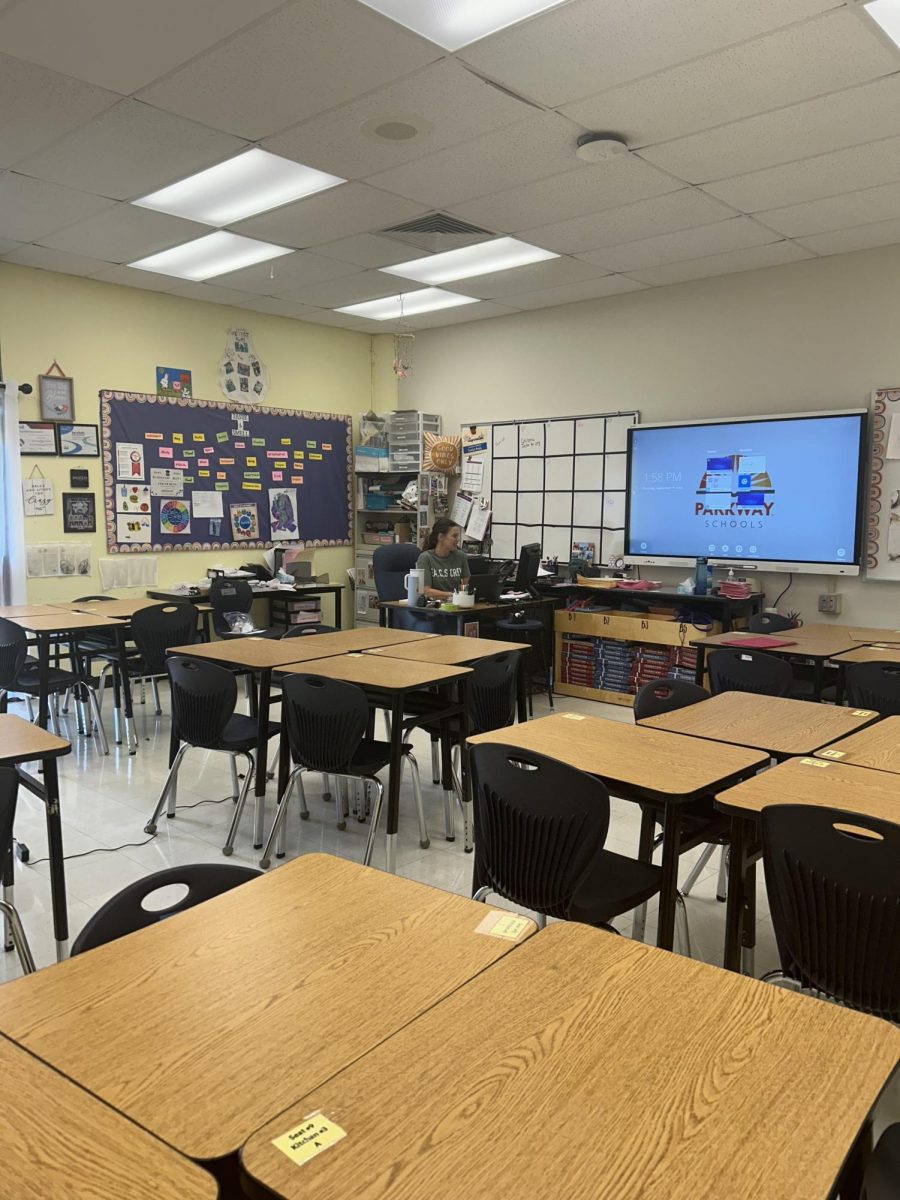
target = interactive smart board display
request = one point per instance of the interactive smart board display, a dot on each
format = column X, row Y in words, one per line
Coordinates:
column 186, row 474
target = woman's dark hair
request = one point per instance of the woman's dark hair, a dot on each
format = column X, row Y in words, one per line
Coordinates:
column 441, row 525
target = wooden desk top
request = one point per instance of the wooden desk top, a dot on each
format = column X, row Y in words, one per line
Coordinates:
column 116, row 608
column 809, row 641
column 205, row 1025
column 769, row 723
column 817, row 781
column 451, row 649
column 656, row 763
column 888, row 654
column 876, row 747
column 11, row 611
column 20, row 741
column 60, row 621
column 385, row 674
column 589, row 1065
column 262, row 653
column 56, row 1140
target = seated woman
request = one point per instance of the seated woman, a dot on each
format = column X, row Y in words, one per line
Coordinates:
column 445, row 566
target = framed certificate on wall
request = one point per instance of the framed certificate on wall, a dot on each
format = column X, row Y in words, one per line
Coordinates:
column 37, row 437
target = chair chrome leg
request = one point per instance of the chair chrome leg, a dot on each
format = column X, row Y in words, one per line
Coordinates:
column 280, row 814
column 65, row 704
column 228, row 848
column 435, row 764
column 376, row 815
column 682, row 927
column 540, row 919
column 481, row 894
column 722, row 882
column 343, row 804
column 8, row 890
column 280, row 845
column 94, row 709
column 101, row 684
column 639, row 924
column 168, row 792
column 327, row 786
column 154, row 686
column 30, row 708
column 235, row 783
column 424, row 840
column 697, row 869
column 387, row 725
column 20, row 941
column 449, row 821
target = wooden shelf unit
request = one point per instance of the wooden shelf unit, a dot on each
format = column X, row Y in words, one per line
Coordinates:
column 636, row 629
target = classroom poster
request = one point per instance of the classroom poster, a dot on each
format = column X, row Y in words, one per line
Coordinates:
column 283, row 514
column 166, row 482
column 175, row 516
column 133, row 529
column 130, row 460
column 244, row 523
column 132, row 497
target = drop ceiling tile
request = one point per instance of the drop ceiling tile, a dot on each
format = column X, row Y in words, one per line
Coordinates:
column 280, row 275
column 121, row 46
column 30, row 209
column 812, row 178
column 448, row 316
column 124, row 233
column 836, row 212
column 578, row 49
column 302, row 60
column 9, row 247
column 685, row 244
column 351, row 289
column 860, row 114
column 275, row 307
column 541, row 146
column 340, row 212
column 148, row 281
column 590, row 189
column 607, row 285
column 39, row 106
column 628, row 222
column 370, row 250
column 448, row 104
column 322, row 316
column 553, row 273
column 130, row 150
column 862, row 237
column 750, row 259
column 44, row 259
column 835, row 51
column 212, row 293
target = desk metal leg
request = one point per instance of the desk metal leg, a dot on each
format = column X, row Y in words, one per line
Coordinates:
column 57, row 859
column 701, row 665
column 447, row 782
column 521, row 685
column 130, row 735
column 665, row 931
column 43, row 640
column 262, row 748
column 464, row 777
column 337, row 597
column 741, row 906
column 817, row 679
column 393, row 808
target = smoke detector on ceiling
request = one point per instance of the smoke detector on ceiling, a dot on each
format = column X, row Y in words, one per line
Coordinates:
column 599, row 147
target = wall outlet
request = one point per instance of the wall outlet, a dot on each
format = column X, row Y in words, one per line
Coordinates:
column 830, row 602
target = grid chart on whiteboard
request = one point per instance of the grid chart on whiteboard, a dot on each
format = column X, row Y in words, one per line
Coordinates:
column 559, row 481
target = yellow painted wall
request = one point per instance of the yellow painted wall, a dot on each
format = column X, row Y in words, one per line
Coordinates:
column 113, row 337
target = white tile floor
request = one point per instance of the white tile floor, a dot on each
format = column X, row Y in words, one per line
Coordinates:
column 106, row 802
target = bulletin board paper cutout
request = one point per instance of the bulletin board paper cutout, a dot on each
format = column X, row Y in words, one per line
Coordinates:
column 244, row 522
column 129, row 460
column 175, row 516
column 882, row 522
column 283, row 514
column 133, row 529
column 317, row 448
column 132, row 498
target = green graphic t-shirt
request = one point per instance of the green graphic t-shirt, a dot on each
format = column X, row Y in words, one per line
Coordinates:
column 444, row 574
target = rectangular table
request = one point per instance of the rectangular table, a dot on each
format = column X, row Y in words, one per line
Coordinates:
column 387, row 682
column 58, row 1141
column 873, row 653
column 123, row 609
column 303, row 591
column 642, row 765
column 799, row 781
column 10, row 611
column 779, row 726
column 586, row 1065
column 877, row 747
column 202, row 1027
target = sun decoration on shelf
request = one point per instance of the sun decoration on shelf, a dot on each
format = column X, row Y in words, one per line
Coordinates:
column 441, row 453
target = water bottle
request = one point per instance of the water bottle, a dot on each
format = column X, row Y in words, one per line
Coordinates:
column 701, row 577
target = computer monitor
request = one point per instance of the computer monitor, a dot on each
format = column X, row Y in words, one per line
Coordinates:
column 479, row 565
column 529, row 564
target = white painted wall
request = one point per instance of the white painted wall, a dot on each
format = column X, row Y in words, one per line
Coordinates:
column 813, row 335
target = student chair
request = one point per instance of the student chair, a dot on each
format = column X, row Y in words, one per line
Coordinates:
column 326, row 721
column 882, row 1179
column 749, row 671
column 306, row 630
column 203, row 700
column 233, row 595
column 126, row 912
column 770, row 623
column 9, row 788
column 542, row 826
column 834, row 896
column 873, row 685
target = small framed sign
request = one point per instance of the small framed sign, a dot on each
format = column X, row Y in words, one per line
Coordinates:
column 57, row 394
column 79, row 513
column 78, row 441
column 37, row 437
column 79, row 479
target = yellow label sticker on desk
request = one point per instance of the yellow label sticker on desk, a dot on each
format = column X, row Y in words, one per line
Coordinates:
column 304, row 1142
column 832, row 753
column 862, row 712
column 812, row 762
column 504, row 925
column 572, row 716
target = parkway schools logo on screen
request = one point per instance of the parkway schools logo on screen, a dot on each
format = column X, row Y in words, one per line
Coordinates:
column 735, row 492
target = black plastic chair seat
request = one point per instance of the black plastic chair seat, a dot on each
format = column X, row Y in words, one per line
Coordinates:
column 615, row 884
column 883, row 1171
column 241, row 733
column 263, row 633
column 28, row 681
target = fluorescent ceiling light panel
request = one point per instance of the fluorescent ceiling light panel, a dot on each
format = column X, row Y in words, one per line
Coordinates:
column 887, row 14
column 209, row 256
column 503, row 254
column 254, row 182
column 456, row 23
column 409, row 304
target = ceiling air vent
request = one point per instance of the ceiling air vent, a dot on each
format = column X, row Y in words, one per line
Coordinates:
column 436, row 232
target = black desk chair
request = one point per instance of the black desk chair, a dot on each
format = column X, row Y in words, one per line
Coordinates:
column 307, row 630
column 769, row 623
column 803, row 686
column 9, row 789
column 749, row 671
column 233, row 596
column 833, row 884
column 873, row 685
column 391, row 565
column 203, row 700
column 882, row 1180
column 125, row 912
column 326, row 721
column 541, row 828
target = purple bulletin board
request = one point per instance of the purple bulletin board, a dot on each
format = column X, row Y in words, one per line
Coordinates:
column 166, row 460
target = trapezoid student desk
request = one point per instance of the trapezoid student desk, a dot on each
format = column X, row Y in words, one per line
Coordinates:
column 202, row 1027
column 589, row 1065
